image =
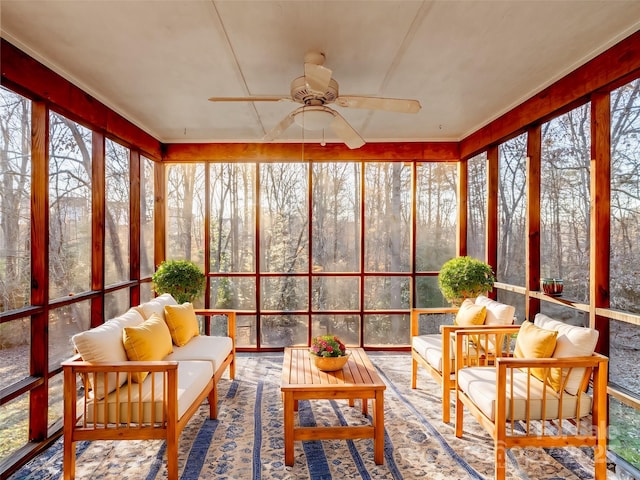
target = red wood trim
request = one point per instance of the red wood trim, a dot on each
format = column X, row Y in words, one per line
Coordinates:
column 463, row 191
column 97, row 225
column 288, row 152
column 534, row 155
column 159, row 216
column 493, row 176
column 207, row 235
column 601, row 216
column 39, row 353
column 605, row 69
column 39, row 82
column 134, row 224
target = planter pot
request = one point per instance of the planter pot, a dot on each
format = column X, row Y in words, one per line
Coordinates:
column 551, row 286
column 329, row 364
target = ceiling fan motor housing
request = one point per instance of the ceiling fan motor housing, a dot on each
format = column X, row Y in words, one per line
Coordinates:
column 301, row 93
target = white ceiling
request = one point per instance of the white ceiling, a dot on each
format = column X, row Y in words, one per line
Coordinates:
column 467, row 62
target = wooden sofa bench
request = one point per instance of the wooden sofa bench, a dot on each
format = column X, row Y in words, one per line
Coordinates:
column 105, row 399
column 538, row 402
column 428, row 352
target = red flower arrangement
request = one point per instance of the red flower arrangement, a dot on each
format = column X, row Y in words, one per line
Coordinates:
column 328, row 346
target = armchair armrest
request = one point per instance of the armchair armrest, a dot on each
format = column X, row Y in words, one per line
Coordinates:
column 416, row 312
column 207, row 313
column 482, row 345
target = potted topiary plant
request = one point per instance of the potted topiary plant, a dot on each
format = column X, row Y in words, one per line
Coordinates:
column 181, row 278
column 464, row 277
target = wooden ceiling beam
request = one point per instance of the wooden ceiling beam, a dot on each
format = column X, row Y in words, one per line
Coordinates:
column 294, row 152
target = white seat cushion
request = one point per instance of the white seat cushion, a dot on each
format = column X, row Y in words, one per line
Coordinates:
column 205, row 348
column 429, row 347
column 572, row 341
column 192, row 380
column 104, row 344
column 480, row 384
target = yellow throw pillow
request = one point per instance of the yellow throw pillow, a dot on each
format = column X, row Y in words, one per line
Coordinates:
column 470, row 314
column 535, row 342
column 182, row 322
column 148, row 341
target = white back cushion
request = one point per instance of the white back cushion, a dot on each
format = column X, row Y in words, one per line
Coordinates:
column 156, row 306
column 497, row 313
column 572, row 341
column 104, row 344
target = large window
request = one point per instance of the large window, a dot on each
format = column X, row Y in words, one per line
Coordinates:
column 185, row 213
column 625, row 257
column 625, row 197
column 477, row 206
column 512, row 195
column 564, row 201
column 15, row 261
column 70, row 207
column 435, row 230
column 147, row 193
column 117, row 221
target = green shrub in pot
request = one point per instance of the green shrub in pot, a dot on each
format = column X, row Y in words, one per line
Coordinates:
column 183, row 279
column 464, row 277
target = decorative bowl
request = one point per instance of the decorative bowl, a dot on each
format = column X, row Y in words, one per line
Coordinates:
column 329, row 364
column 551, row 286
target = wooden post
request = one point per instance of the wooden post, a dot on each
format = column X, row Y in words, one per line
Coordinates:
column 97, row 226
column 600, row 215
column 493, row 176
column 39, row 353
column 134, row 222
column 534, row 142
column 463, row 195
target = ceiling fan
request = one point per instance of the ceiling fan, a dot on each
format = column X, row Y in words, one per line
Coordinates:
column 315, row 90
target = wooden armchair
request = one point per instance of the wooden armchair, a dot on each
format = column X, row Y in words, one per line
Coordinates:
column 428, row 351
column 518, row 409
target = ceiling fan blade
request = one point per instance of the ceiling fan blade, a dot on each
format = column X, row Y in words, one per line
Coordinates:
column 400, row 105
column 346, row 132
column 279, row 129
column 249, row 99
column 317, row 77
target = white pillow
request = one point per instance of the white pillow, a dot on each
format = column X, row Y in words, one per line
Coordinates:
column 572, row 341
column 104, row 344
column 497, row 313
column 156, row 306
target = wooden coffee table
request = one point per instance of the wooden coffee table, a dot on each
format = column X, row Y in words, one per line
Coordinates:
column 301, row 380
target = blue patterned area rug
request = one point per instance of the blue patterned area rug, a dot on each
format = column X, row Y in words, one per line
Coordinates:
column 246, row 442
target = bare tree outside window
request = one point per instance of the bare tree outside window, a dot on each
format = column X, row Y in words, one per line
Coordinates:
column 117, row 208
column 565, row 200
column 185, row 213
column 147, row 193
column 477, row 206
column 512, row 156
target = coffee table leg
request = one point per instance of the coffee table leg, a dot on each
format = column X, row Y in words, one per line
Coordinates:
column 378, row 428
column 288, row 428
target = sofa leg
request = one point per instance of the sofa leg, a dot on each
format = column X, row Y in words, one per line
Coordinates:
column 69, row 459
column 459, row 416
column 446, row 402
column 172, row 457
column 414, row 373
column 213, row 402
column 500, row 456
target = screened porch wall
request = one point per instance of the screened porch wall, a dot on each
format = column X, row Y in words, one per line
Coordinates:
column 30, row 394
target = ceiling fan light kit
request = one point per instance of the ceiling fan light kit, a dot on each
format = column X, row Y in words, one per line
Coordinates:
column 314, row 117
column 315, row 90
